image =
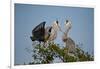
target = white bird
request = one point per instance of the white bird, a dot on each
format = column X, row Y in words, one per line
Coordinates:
column 69, row 43
column 55, row 27
column 51, row 34
column 68, row 26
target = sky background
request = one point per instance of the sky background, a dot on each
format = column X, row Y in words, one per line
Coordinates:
column 28, row 16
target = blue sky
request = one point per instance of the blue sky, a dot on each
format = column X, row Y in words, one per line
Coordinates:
column 28, row 16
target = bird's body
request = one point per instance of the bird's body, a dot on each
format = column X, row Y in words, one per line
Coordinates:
column 69, row 43
column 55, row 28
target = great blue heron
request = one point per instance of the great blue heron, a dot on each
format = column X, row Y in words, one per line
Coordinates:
column 42, row 34
column 70, row 44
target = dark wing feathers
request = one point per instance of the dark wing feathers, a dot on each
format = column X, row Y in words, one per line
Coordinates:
column 39, row 31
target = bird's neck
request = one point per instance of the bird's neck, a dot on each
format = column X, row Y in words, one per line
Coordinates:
column 67, row 31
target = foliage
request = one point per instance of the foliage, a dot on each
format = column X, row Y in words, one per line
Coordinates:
column 44, row 55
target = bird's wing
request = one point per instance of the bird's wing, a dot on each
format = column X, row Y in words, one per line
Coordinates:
column 39, row 31
column 39, row 27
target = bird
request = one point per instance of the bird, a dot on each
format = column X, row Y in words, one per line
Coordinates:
column 42, row 34
column 69, row 42
column 55, row 28
column 68, row 26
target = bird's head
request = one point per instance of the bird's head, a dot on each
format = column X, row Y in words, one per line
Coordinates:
column 56, row 25
column 67, row 21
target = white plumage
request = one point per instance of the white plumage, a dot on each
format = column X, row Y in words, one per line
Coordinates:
column 55, row 28
column 68, row 26
column 51, row 35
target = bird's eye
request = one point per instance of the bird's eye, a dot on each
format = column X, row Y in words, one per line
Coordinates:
column 66, row 21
